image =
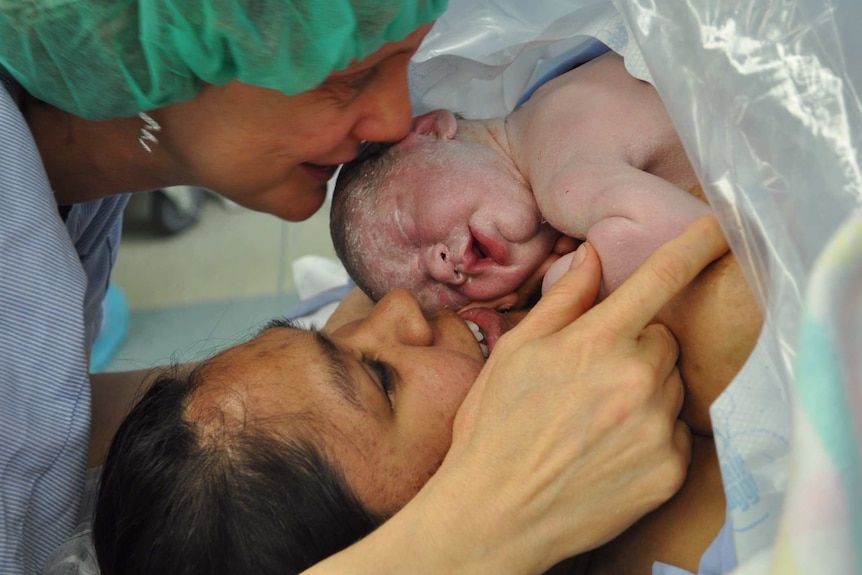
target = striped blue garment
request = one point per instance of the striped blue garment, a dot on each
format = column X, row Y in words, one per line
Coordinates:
column 53, row 276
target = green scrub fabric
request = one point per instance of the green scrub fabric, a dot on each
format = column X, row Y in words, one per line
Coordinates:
column 100, row 59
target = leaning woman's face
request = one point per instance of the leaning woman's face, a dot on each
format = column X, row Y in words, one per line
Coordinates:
column 274, row 153
column 381, row 392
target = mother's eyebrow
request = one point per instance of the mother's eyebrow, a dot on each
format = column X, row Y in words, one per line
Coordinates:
column 336, row 370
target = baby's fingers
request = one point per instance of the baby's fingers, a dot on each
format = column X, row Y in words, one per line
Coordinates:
column 528, row 290
column 572, row 295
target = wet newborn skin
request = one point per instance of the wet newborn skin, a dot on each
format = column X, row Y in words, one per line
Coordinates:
column 467, row 211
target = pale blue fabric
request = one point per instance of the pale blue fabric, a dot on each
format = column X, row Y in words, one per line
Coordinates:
column 580, row 54
column 53, row 275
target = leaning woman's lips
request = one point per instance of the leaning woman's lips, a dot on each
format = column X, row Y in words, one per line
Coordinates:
column 488, row 323
column 319, row 172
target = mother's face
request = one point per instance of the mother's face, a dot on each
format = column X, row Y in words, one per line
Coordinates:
column 380, row 393
column 275, row 153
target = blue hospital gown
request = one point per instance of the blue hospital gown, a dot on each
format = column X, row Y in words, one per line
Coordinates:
column 54, row 272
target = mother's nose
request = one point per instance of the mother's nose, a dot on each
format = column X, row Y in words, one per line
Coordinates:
column 398, row 315
column 441, row 265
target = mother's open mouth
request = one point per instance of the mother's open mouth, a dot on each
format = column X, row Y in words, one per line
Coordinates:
column 479, row 335
column 487, row 326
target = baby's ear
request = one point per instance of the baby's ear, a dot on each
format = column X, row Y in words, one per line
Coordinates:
column 440, row 123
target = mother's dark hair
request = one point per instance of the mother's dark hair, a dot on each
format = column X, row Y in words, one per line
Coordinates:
column 174, row 499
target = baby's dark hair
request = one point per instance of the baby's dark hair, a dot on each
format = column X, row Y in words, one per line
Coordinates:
column 177, row 498
column 356, row 187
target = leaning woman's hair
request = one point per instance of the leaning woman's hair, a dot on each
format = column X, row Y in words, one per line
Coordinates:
column 174, row 500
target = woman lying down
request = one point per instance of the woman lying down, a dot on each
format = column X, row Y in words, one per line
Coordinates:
column 299, row 436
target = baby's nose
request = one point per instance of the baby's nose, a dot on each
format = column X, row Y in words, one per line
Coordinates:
column 442, row 266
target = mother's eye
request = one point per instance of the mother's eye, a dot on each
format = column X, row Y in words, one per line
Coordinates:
column 384, row 376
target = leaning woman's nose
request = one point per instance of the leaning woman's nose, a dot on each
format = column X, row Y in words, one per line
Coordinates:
column 387, row 114
column 400, row 316
column 441, row 266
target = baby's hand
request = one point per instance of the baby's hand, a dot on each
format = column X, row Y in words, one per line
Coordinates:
column 564, row 247
column 556, row 271
column 529, row 290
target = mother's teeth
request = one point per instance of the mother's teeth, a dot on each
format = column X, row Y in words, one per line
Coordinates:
column 479, row 335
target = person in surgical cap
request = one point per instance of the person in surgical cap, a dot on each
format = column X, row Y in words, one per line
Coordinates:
column 260, row 101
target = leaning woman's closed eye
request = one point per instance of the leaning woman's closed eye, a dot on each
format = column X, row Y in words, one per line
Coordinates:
column 344, row 90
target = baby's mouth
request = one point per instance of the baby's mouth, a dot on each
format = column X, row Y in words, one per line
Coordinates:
column 488, row 248
column 480, row 250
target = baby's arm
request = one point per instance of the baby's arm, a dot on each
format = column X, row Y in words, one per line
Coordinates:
column 624, row 212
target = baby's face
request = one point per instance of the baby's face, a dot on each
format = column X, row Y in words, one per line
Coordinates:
column 461, row 227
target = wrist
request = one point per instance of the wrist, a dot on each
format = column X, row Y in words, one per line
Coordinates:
column 449, row 527
column 463, row 523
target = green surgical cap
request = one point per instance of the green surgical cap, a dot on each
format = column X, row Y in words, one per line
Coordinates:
column 100, row 59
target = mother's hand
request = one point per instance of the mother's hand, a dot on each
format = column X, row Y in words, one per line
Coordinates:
column 570, row 434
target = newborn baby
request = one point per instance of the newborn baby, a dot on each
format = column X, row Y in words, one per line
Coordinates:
column 468, row 211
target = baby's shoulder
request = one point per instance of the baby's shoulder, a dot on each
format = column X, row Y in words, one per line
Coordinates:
column 592, row 92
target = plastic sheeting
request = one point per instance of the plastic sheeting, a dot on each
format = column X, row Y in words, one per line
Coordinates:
column 766, row 100
column 765, row 96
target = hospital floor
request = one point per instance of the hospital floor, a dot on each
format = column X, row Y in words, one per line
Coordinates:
column 197, row 291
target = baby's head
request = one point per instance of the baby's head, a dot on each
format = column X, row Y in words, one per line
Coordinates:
column 442, row 213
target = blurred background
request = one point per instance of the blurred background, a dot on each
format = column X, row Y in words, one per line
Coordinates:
column 196, row 273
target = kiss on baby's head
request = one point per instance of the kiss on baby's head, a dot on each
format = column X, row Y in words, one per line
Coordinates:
column 440, row 214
